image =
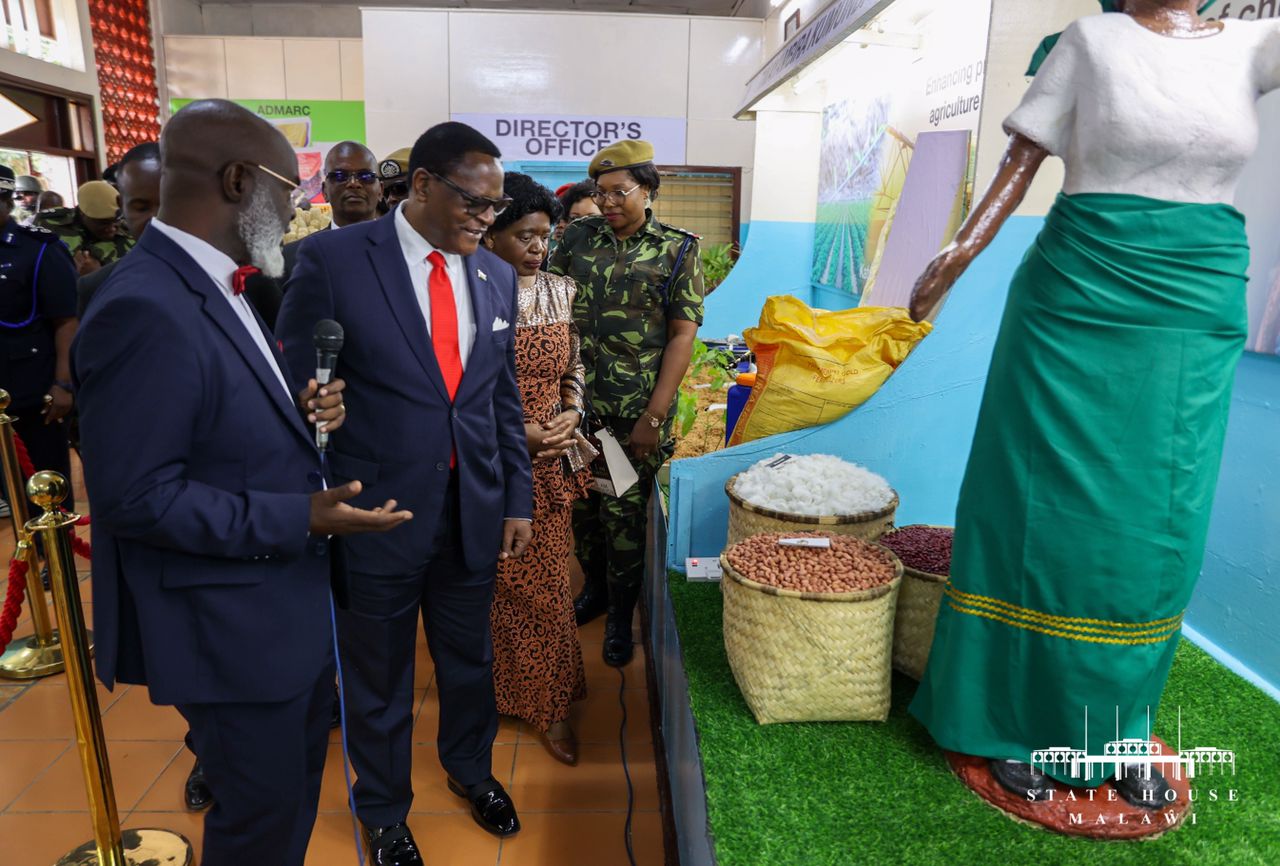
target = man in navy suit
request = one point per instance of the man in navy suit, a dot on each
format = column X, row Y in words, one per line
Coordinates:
column 211, row 565
column 436, row 415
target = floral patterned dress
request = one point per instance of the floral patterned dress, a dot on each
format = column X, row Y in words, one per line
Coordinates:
column 537, row 664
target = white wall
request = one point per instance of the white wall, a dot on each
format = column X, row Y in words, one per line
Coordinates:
column 200, row 67
column 776, row 22
column 691, row 68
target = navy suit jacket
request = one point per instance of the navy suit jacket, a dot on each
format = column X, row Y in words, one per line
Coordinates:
column 396, row 438
column 206, row 584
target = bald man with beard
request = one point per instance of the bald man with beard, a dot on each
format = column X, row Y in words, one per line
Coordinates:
column 212, row 559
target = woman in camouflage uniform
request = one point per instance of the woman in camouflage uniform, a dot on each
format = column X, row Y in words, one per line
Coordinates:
column 638, row 308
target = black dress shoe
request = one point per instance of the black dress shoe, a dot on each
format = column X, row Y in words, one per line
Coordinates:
column 491, row 806
column 1022, row 780
column 1144, row 793
column 392, row 846
column 196, row 793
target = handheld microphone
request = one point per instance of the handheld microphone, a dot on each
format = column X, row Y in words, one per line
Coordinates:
column 327, row 338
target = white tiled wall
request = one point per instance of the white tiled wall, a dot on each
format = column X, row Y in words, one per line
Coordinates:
column 429, row 63
column 248, row 67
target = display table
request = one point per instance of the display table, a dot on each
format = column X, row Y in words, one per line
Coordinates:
column 834, row 794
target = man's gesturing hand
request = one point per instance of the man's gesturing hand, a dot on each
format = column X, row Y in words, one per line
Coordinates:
column 331, row 515
column 516, row 535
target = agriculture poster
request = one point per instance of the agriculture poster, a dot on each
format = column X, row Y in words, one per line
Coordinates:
column 869, row 133
column 311, row 127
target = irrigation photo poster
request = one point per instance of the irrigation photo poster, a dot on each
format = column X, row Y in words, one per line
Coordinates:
column 869, row 135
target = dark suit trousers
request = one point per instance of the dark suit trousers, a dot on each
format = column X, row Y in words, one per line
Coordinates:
column 264, row 764
column 376, row 637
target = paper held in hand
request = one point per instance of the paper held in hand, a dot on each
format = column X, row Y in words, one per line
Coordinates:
column 612, row 473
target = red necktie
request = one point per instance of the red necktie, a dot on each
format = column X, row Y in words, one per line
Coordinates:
column 444, row 328
column 240, row 276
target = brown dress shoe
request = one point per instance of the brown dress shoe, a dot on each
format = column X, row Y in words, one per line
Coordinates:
column 564, row 748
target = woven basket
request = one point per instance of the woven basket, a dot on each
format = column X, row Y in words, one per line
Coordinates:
column 746, row 520
column 810, row 656
column 918, row 605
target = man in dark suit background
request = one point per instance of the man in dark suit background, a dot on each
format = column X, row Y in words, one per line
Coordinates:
column 436, row 415
column 211, row 565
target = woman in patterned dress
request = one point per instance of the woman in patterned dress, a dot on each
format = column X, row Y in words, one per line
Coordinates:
column 537, row 665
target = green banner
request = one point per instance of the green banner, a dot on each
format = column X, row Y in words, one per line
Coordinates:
column 306, row 123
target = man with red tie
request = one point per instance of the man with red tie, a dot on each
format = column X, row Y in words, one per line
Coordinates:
column 434, row 413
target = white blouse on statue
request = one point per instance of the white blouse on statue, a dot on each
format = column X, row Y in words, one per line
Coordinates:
column 1132, row 111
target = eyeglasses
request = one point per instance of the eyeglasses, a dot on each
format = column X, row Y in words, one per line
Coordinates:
column 297, row 195
column 399, row 188
column 475, row 204
column 616, row 196
column 340, row 176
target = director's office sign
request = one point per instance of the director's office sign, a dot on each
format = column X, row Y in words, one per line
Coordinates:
column 560, row 137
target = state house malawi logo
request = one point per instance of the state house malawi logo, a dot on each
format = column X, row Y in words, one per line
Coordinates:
column 1127, row 756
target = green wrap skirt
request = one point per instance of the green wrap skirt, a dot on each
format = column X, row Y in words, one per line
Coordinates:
column 1082, row 518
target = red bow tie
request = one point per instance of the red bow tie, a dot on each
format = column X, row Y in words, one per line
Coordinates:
column 241, row 275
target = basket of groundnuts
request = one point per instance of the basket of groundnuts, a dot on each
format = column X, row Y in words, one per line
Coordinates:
column 788, row 492
column 808, row 625
column 925, row 553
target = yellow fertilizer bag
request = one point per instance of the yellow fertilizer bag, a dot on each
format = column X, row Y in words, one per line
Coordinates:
column 815, row 366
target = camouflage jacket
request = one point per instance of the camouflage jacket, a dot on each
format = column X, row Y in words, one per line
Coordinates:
column 626, row 295
column 65, row 223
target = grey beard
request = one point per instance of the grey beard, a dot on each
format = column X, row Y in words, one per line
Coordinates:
column 260, row 232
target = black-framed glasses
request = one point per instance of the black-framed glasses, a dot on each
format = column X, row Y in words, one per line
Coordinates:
column 613, row 196
column 475, row 204
column 399, row 188
column 341, row 177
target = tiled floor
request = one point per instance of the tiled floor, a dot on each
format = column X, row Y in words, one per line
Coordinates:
column 570, row 815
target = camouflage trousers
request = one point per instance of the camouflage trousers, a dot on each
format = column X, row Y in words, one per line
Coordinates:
column 609, row 531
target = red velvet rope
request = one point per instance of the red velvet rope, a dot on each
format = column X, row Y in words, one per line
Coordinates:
column 24, row 457
column 13, row 601
column 81, row 547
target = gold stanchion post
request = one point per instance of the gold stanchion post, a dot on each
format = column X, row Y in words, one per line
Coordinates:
column 109, row 846
column 40, row 653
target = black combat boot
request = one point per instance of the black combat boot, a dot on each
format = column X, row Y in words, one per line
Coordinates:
column 594, row 598
column 618, row 648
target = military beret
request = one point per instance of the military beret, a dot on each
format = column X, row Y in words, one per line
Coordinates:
column 6, row 180
column 98, row 200
column 623, row 154
column 394, row 166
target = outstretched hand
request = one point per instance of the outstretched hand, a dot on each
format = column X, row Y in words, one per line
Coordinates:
column 331, row 515
column 933, row 285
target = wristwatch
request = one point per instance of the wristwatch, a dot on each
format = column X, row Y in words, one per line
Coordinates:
column 654, row 421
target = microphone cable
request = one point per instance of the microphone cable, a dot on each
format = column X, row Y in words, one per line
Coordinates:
column 342, row 712
column 626, row 771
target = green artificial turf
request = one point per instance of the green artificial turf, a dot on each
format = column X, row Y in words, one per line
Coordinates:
column 837, row 794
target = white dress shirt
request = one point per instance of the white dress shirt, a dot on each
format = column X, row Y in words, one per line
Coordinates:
column 416, row 248
column 220, row 268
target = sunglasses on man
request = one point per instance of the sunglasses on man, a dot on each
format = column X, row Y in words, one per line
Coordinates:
column 341, row 177
column 475, row 205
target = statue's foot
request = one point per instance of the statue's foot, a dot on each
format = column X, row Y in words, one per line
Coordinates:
column 1147, row 793
column 1022, row 780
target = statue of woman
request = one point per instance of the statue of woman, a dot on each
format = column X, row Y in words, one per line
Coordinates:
column 1085, row 505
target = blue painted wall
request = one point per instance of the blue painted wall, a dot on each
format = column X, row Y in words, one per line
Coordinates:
column 776, row 262
column 916, row 431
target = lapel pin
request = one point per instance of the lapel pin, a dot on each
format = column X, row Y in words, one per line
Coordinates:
column 481, row 274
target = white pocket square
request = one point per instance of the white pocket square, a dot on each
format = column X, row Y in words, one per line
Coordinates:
column 500, row 324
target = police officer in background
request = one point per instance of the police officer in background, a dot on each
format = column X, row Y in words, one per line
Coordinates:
column 394, row 171
column 37, row 324
column 638, row 308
